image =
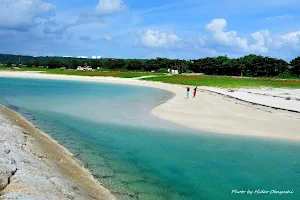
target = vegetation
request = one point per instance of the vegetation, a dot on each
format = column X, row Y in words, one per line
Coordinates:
column 101, row 73
column 163, row 70
column 247, row 66
column 124, row 74
column 250, row 65
column 225, row 81
column 296, row 66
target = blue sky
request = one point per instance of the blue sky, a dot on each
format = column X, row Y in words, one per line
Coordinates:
column 184, row 29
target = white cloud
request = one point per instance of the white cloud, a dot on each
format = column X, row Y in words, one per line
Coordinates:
column 230, row 39
column 288, row 40
column 222, row 42
column 107, row 7
column 23, row 14
column 154, row 38
column 217, row 27
column 262, row 38
column 276, row 18
column 103, row 8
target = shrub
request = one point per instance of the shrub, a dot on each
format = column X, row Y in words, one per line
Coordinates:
column 286, row 75
column 162, row 70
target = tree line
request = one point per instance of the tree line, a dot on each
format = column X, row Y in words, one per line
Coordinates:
column 250, row 65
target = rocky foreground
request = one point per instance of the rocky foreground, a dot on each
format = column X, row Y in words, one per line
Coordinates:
column 32, row 166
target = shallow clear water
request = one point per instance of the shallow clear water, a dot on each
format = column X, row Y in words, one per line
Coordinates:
column 138, row 156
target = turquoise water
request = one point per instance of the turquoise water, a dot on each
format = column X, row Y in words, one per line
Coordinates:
column 138, row 156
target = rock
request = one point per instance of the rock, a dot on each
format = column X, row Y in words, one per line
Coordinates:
column 41, row 156
column 22, row 173
column 288, row 98
column 230, row 90
column 12, row 161
column 5, row 174
column 20, row 196
column 7, row 151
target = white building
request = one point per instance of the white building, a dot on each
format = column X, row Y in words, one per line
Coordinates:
column 79, row 68
column 173, row 71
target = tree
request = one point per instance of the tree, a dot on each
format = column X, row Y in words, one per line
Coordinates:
column 134, row 65
column 52, row 64
column 151, row 65
column 36, row 63
column 295, row 63
column 181, row 66
column 28, row 64
column 115, row 64
column 9, row 63
column 74, row 64
column 96, row 63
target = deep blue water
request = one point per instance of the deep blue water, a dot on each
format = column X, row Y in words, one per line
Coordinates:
column 138, row 156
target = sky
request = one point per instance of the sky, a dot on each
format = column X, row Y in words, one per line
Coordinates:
column 183, row 29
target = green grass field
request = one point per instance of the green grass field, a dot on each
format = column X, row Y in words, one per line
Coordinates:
column 216, row 81
column 118, row 74
column 102, row 73
column 226, row 82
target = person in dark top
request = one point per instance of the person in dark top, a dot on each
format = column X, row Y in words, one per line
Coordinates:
column 195, row 91
column 188, row 92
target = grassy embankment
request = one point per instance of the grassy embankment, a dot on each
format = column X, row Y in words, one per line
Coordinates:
column 119, row 74
column 227, row 82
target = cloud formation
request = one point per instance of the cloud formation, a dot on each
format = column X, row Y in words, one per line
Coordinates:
column 103, row 9
column 22, row 15
column 288, row 40
column 108, row 7
column 143, row 31
column 154, row 38
column 217, row 27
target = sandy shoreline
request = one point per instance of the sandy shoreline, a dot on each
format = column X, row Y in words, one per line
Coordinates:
column 209, row 112
column 35, row 166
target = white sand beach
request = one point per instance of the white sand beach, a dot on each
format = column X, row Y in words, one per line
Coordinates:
column 214, row 109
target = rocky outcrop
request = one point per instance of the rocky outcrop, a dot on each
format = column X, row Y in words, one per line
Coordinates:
column 24, row 173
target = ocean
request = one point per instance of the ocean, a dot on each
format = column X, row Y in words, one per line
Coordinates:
column 136, row 155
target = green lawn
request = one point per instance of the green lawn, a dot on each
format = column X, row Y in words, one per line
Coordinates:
column 102, row 73
column 227, row 82
column 93, row 73
column 216, row 81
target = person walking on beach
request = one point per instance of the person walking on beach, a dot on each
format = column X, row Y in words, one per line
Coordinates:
column 188, row 92
column 195, row 91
